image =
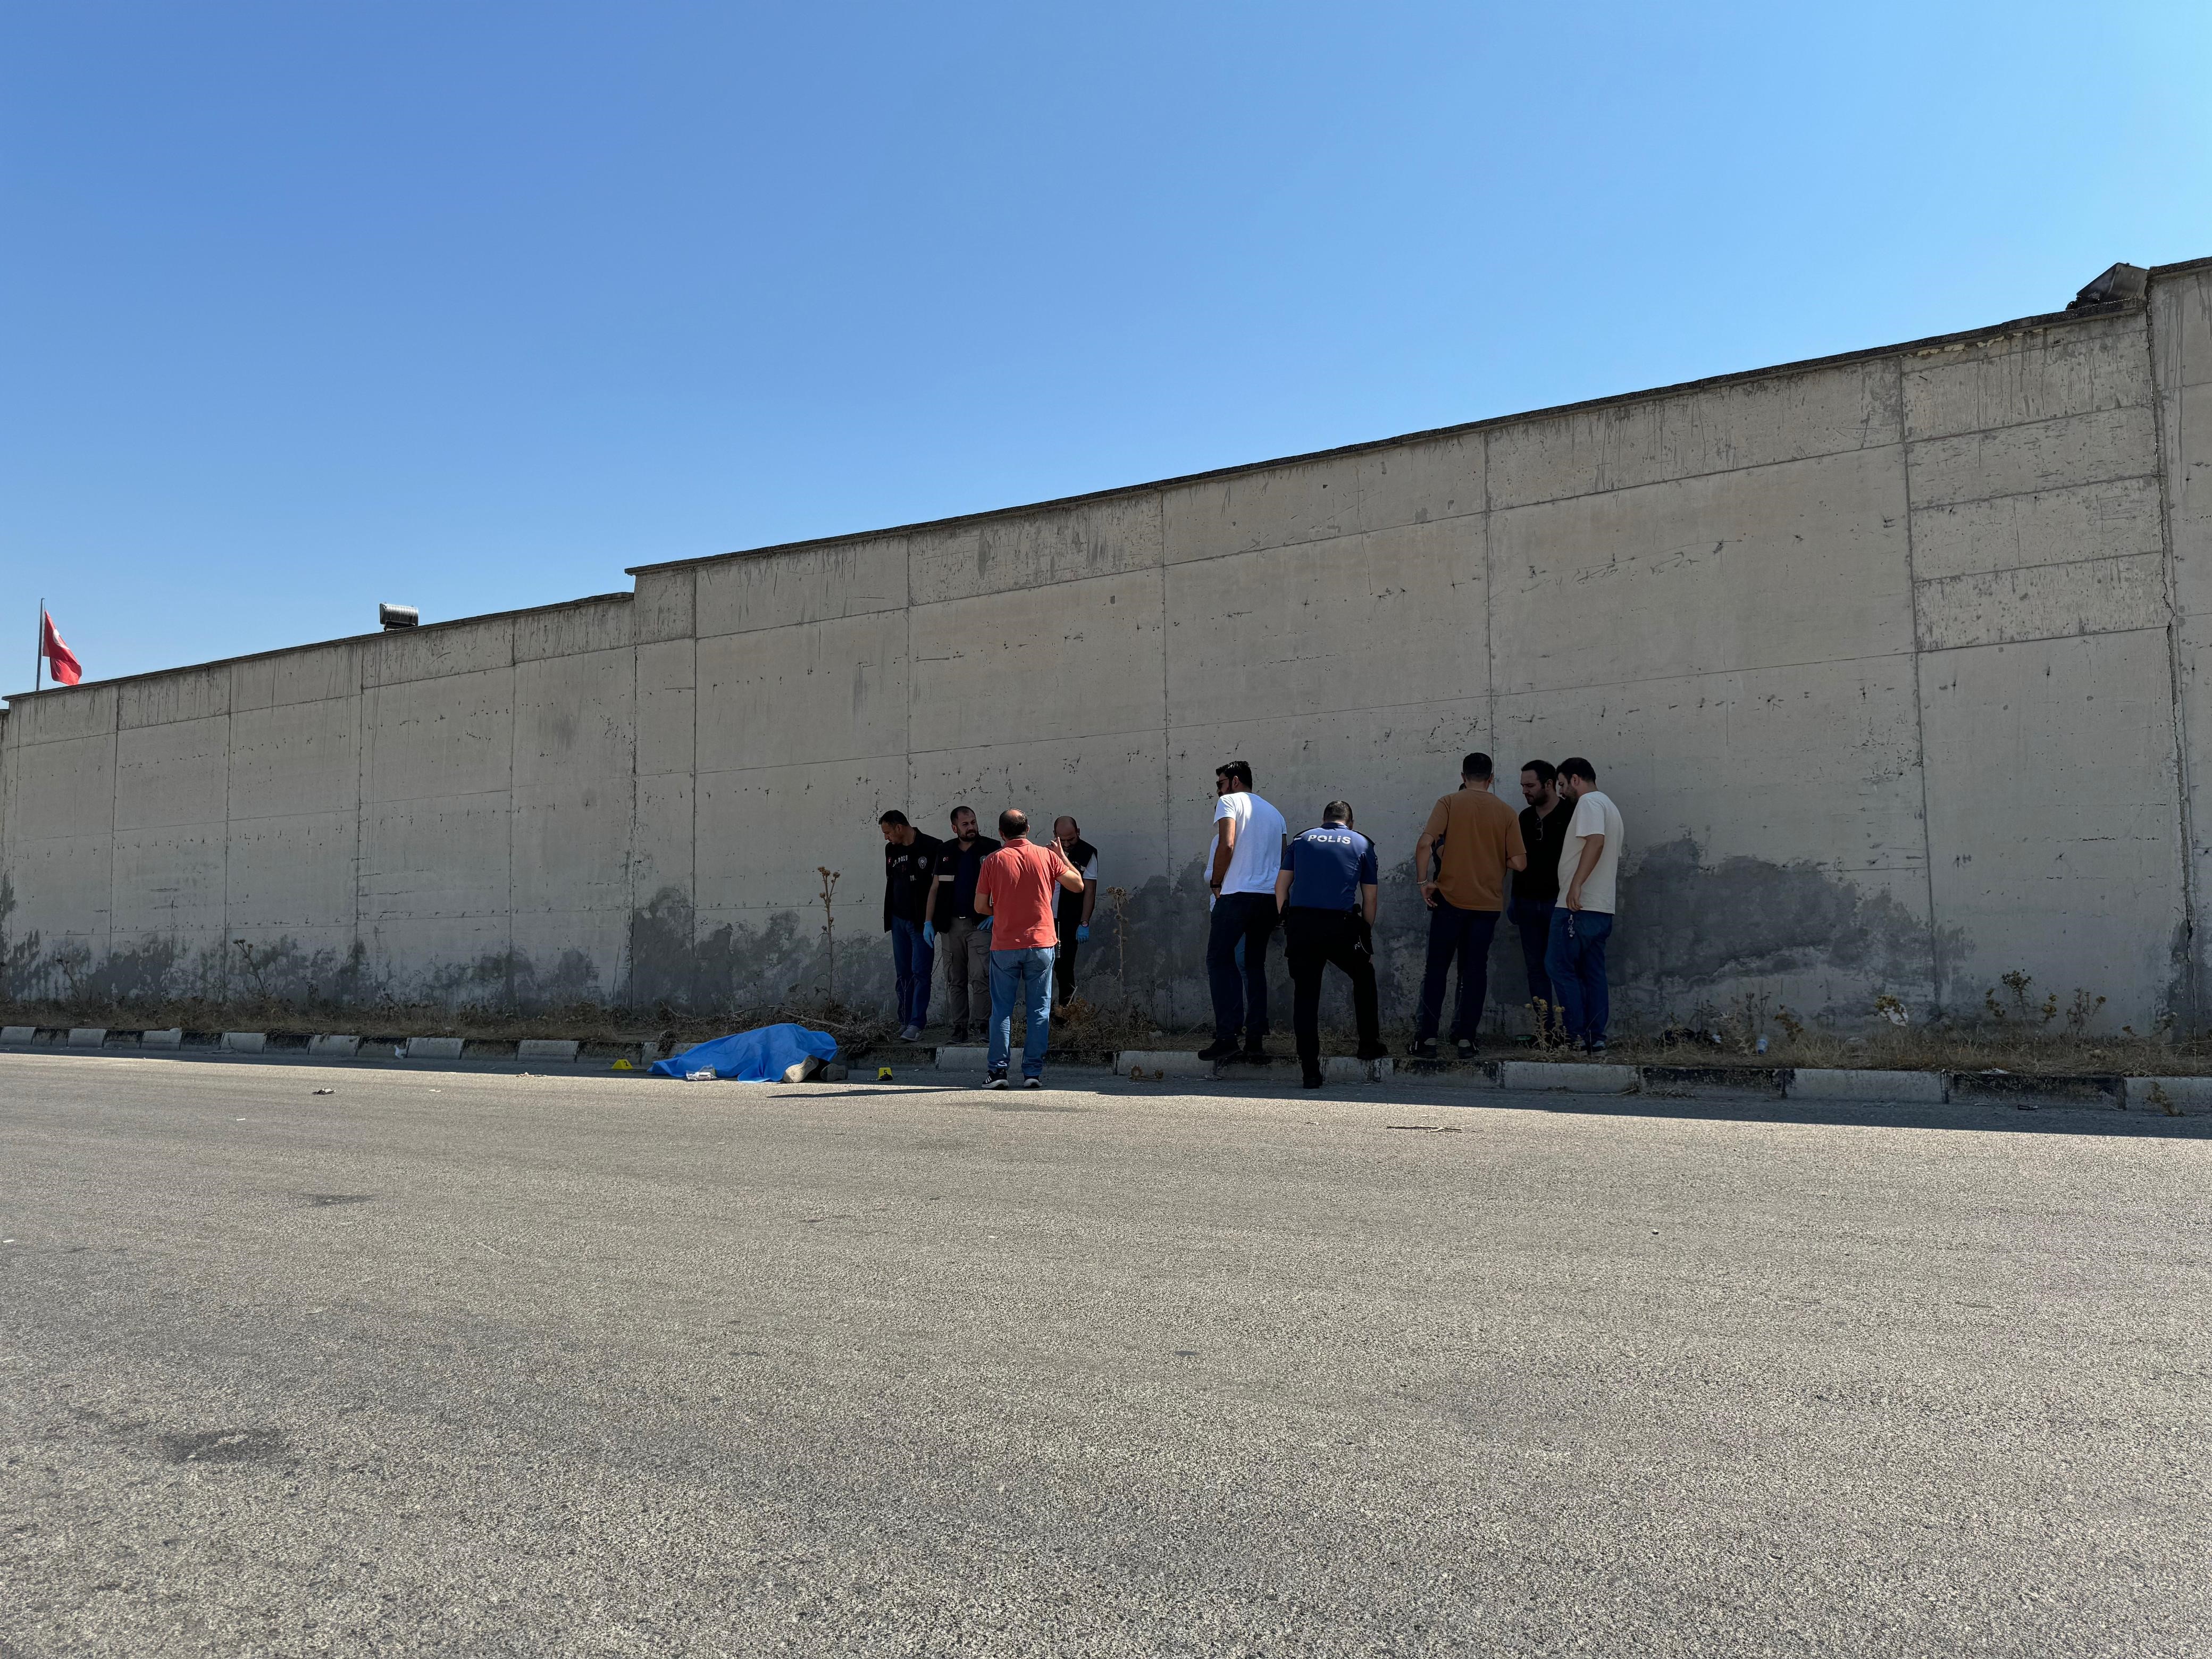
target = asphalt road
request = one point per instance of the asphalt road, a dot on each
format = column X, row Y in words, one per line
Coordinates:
column 462, row 1363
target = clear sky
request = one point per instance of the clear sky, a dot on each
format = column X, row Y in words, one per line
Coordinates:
column 305, row 305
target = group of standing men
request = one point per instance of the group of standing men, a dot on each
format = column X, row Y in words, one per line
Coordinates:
column 957, row 894
column 1011, row 914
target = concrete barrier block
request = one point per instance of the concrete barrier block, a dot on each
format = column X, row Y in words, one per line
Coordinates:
column 434, row 1048
column 340, row 1048
column 246, row 1043
column 1343, row 1068
column 1162, row 1063
column 1852, row 1083
column 172, row 1038
column 1574, row 1078
column 964, row 1057
column 18, row 1033
column 546, row 1048
column 2174, row 1096
column 87, row 1036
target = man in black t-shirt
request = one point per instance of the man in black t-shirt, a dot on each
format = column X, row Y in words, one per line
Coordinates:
column 909, row 870
column 1536, row 889
column 957, row 928
column 1074, row 908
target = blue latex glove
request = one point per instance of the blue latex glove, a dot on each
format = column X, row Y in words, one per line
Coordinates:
column 929, row 935
column 984, row 925
column 1082, row 933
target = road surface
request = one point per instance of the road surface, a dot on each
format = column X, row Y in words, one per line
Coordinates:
column 468, row 1364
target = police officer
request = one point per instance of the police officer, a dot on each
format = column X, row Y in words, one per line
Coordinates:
column 1326, row 892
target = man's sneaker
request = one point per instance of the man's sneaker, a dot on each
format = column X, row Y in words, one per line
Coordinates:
column 1032, row 1083
column 1312, row 1079
column 1464, row 1047
column 1217, row 1051
column 994, row 1080
column 908, row 1033
column 1423, row 1051
column 1597, row 1045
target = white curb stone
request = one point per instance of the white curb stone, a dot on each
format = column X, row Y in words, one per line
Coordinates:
column 546, row 1048
column 246, row 1043
column 427, row 1048
column 18, row 1033
column 1914, row 1088
column 1576, row 1079
column 2174, row 1095
column 339, row 1047
column 967, row 1057
column 172, row 1038
column 87, row 1036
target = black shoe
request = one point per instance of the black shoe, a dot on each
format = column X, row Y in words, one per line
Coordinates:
column 1464, row 1048
column 1312, row 1079
column 1423, row 1051
column 1218, row 1051
column 959, row 1037
column 995, row 1080
column 1373, row 1051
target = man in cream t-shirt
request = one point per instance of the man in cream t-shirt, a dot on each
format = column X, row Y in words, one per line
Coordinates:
column 1241, row 869
column 1589, row 867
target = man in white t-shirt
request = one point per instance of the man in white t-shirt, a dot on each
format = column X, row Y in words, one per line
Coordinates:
column 1589, row 867
column 1246, row 857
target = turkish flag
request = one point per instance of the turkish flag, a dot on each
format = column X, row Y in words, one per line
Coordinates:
column 59, row 657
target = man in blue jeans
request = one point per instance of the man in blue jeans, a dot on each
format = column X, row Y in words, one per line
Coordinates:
column 1016, row 890
column 1589, row 867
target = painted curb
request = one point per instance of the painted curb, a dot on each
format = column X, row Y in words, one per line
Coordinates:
column 1536, row 1074
column 1343, row 1068
column 1838, row 1082
column 245, row 1043
column 434, row 1047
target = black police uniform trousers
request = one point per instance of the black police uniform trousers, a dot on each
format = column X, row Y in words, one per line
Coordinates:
column 1313, row 940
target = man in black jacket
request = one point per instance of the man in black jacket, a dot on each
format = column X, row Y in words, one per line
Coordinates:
column 954, row 923
column 1536, row 890
column 909, row 866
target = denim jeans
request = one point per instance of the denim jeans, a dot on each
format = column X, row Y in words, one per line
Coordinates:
column 912, row 958
column 1531, row 918
column 1245, row 919
column 1026, row 975
column 1465, row 934
column 1576, row 962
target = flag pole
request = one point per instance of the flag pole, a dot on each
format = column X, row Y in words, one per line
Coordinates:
column 39, row 673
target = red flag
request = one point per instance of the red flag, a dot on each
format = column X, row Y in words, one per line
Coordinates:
column 59, row 657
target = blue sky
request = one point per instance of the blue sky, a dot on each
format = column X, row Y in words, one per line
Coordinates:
column 308, row 305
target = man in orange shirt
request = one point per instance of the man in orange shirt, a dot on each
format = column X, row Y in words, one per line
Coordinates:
column 1016, row 890
column 1474, row 838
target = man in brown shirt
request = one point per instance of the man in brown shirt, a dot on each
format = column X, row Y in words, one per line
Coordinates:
column 1473, row 838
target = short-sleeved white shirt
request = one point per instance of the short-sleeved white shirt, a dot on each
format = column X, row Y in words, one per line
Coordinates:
column 1594, row 815
column 1257, row 857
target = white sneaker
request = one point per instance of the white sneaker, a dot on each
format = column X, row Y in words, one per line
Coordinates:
column 1032, row 1083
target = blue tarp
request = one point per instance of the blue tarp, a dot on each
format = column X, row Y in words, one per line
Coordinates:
column 757, row 1056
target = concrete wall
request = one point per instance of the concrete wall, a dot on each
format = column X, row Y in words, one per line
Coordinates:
column 1894, row 664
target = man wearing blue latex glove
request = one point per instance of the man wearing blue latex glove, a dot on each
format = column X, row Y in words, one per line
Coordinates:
column 1075, row 908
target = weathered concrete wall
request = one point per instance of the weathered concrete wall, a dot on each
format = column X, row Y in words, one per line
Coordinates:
column 1892, row 663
